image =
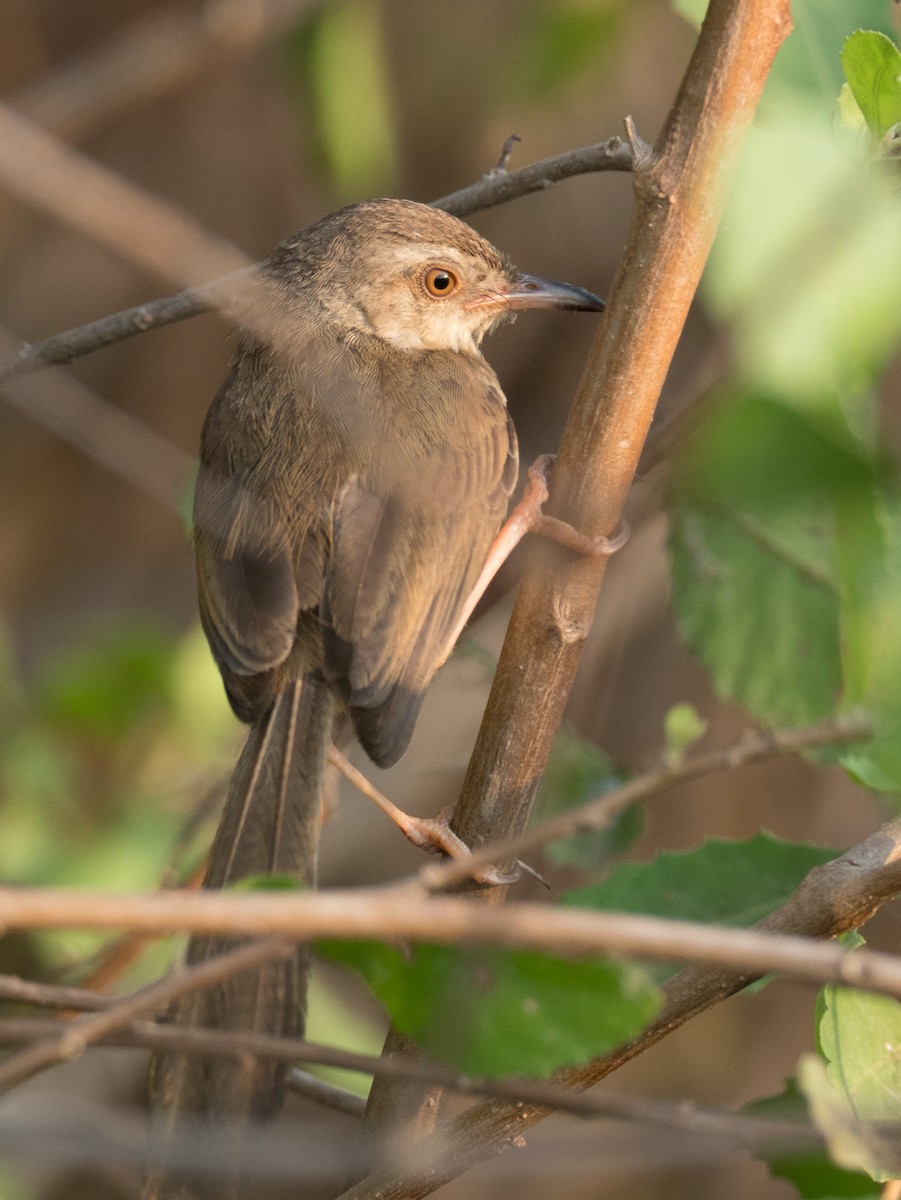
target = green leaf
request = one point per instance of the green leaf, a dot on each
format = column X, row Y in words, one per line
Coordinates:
column 559, row 42
column 339, row 57
column 497, row 1012
column 101, row 687
column 849, row 111
column 721, row 882
column 693, row 11
column 814, row 291
column 814, row 1175
column 578, row 771
column 860, row 1038
column 759, row 614
column 854, row 1141
column 872, row 66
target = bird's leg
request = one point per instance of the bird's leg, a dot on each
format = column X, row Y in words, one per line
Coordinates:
column 527, row 517
column 433, row 834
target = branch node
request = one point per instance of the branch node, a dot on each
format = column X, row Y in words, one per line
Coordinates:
column 642, row 152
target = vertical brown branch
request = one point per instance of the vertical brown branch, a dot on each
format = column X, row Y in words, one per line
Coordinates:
column 679, row 187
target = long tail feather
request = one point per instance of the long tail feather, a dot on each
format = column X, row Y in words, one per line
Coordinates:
column 270, row 825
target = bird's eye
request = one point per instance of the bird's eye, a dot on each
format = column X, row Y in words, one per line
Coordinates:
column 439, row 281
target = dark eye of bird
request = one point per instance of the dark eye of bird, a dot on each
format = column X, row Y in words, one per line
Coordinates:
column 439, row 281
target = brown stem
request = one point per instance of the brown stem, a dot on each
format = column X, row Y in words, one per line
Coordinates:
column 679, row 189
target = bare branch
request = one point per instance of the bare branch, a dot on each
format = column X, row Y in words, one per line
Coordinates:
column 492, row 189
column 73, row 1037
column 500, row 186
column 679, row 1115
column 832, row 898
column 157, row 52
column 596, row 814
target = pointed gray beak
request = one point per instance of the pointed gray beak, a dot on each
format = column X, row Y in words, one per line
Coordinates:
column 531, row 291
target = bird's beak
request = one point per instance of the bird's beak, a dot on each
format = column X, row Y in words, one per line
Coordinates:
column 531, row 291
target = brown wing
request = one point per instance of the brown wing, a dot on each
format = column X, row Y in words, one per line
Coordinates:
column 249, row 531
column 408, row 541
column 342, row 517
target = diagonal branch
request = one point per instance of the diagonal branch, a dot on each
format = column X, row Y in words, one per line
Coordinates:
column 496, row 187
column 597, row 814
column 73, row 1037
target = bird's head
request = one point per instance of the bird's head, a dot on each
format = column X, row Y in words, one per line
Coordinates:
column 412, row 275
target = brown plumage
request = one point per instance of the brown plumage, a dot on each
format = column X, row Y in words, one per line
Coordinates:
column 355, row 468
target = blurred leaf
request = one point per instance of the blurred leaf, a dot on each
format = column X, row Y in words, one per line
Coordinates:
column 693, row 11
column 814, row 1175
column 764, row 624
column 787, row 568
column 682, row 726
column 720, row 882
column 854, row 1141
column 558, row 43
column 333, row 1021
column 499, row 1012
column 100, row 688
column 872, row 66
column 859, row 1036
column 578, row 771
column 340, row 57
column 849, row 111
column 815, row 291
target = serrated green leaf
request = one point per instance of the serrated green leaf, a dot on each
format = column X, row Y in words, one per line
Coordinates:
column 764, row 623
column 872, row 66
column 814, row 1175
column 498, row 1012
column 807, row 66
column 722, row 882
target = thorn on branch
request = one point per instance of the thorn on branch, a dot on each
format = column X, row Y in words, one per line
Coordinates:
column 642, row 151
column 500, row 167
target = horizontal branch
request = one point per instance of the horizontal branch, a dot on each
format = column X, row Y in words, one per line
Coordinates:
column 497, row 187
column 680, row 1115
column 859, row 880
column 71, row 1038
column 500, row 185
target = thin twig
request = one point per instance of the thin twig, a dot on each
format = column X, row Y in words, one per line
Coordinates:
column 596, row 814
column 14, row 990
column 327, row 1094
column 72, row 1038
column 678, row 1115
column 487, row 192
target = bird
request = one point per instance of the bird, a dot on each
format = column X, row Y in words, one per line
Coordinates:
column 355, row 467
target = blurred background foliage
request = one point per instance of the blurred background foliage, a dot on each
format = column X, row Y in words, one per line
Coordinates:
column 762, row 578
